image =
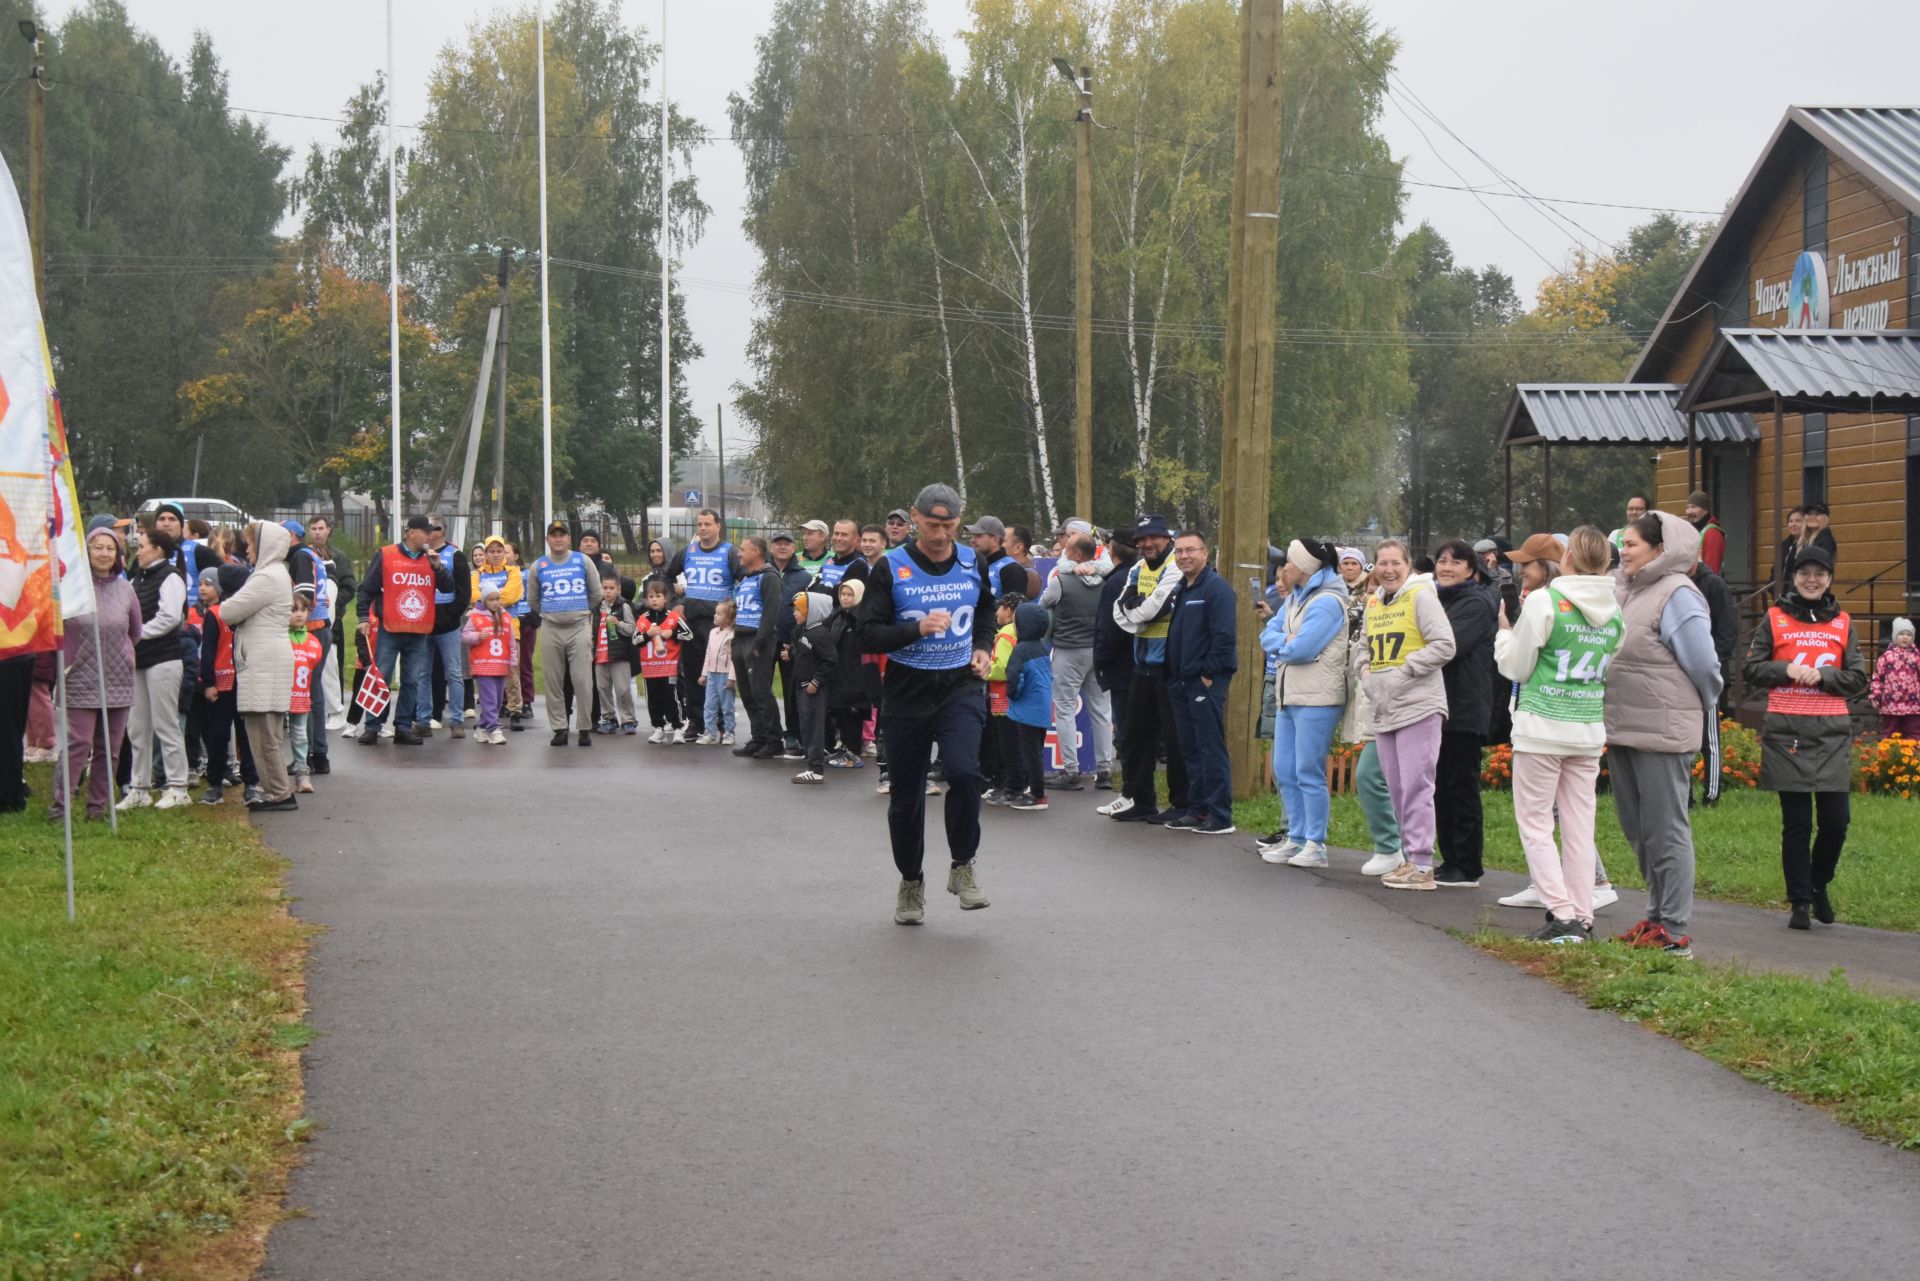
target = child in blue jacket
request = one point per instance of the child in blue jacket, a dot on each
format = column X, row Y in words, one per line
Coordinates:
column 1029, row 706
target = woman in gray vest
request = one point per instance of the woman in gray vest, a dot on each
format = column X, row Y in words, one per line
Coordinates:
column 1308, row 638
column 1662, row 689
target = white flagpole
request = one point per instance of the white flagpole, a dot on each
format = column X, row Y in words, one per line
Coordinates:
column 106, row 735
column 666, row 272
column 393, row 279
column 546, row 326
column 64, row 783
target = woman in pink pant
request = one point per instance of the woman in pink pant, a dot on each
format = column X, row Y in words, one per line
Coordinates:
column 1558, row 652
column 94, row 731
column 1409, row 641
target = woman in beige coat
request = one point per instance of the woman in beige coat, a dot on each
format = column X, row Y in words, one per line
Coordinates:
column 260, row 614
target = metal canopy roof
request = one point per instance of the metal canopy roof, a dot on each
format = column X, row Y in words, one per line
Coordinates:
column 1849, row 371
column 1613, row 414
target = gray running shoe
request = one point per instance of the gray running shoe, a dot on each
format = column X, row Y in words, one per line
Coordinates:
column 960, row 881
column 910, row 904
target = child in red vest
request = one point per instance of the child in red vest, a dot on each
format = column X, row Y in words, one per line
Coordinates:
column 306, row 658
column 219, row 723
column 658, row 634
column 492, row 637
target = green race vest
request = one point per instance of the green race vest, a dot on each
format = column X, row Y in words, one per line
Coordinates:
column 1569, row 677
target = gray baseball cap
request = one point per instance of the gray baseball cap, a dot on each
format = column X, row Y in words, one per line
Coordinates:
column 992, row 526
column 938, row 501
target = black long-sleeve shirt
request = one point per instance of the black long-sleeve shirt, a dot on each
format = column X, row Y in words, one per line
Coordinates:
column 912, row 691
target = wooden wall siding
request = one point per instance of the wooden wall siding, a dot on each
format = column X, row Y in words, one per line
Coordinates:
column 1866, row 457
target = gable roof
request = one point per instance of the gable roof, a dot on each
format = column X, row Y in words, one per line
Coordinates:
column 1612, row 414
column 1883, row 143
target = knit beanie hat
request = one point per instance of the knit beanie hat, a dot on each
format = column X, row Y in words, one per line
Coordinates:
column 1309, row 556
column 1902, row 627
column 854, row 585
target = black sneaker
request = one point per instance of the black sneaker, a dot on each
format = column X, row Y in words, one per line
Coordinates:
column 768, row 752
column 320, row 765
column 997, row 797
column 265, row 806
column 251, row 795
column 1103, row 781
column 1797, row 919
column 1180, row 820
column 1454, row 879
column 1140, row 815
column 1212, row 826
column 1557, row 931
column 212, row 796
column 1030, row 802
column 369, row 737
column 406, row 738
column 559, row 739
column 1065, row 783
column 1822, row 907
column 586, row 738
column 748, row 748
column 516, row 726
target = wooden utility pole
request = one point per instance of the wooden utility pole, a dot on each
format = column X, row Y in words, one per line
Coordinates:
column 1083, row 300
column 36, row 161
column 1246, row 452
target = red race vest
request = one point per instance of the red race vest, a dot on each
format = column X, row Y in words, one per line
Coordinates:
column 306, row 657
column 1813, row 645
column 659, row 647
column 493, row 656
column 222, row 654
column 406, row 592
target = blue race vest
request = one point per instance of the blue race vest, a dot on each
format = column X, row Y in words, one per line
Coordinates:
column 831, row 573
column 709, row 573
column 749, row 601
column 446, row 558
column 563, row 587
column 994, row 571
column 917, row 594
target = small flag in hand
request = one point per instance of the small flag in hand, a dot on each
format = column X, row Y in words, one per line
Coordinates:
column 374, row 694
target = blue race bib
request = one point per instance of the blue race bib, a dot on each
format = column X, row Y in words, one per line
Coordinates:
column 916, row 594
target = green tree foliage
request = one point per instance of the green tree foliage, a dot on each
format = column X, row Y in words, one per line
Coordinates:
column 951, row 351
column 156, row 195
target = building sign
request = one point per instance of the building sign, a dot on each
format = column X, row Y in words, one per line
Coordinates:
column 1866, row 272
column 1805, row 295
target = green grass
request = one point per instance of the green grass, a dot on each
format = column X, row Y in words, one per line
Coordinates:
column 1736, row 843
column 1828, row 1043
column 149, row 1089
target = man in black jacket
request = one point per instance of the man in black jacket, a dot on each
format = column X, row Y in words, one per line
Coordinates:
column 794, row 578
column 1202, row 654
column 1723, row 618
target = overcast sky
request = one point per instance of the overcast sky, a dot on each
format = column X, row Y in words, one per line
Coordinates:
column 1638, row 102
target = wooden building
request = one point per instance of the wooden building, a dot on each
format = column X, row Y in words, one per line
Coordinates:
column 1786, row 363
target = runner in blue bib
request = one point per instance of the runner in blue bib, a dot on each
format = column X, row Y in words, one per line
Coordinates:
column 927, row 609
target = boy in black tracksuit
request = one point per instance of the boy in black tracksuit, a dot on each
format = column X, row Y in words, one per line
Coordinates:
column 816, row 655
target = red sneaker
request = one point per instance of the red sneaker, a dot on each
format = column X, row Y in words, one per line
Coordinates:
column 1632, row 937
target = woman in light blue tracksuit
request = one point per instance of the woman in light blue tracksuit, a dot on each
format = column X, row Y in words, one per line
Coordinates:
column 1308, row 638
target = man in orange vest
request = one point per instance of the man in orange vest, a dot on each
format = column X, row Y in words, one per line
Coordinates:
column 398, row 589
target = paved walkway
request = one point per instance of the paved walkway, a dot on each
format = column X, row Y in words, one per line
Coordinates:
column 641, row 1011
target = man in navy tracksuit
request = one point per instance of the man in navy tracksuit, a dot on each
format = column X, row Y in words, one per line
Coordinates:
column 1201, row 657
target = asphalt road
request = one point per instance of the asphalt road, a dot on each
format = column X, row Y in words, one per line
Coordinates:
column 642, row 1011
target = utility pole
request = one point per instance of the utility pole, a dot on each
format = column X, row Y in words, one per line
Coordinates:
column 496, row 506
column 720, row 449
column 1082, row 286
column 36, row 160
column 1246, row 454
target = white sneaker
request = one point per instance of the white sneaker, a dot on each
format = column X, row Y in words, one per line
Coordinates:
column 726, row 740
column 679, row 735
column 135, row 799
column 351, row 731
column 1604, row 896
column 658, row 736
column 386, row 730
column 1282, row 852
column 498, row 737
column 1116, row 807
column 437, row 725
column 1380, row 864
column 1312, row 854
column 1529, row 897
column 172, row 799
column 472, row 714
